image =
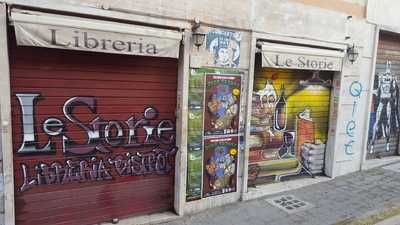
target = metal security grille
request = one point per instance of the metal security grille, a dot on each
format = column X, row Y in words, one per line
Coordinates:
column 289, row 123
column 93, row 135
column 384, row 113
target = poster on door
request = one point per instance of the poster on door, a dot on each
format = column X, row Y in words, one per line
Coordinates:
column 220, row 163
column 222, row 103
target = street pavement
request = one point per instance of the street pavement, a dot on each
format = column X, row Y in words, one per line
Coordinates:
column 338, row 201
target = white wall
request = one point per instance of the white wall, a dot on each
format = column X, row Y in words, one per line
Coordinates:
column 384, row 13
column 294, row 19
column 363, row 35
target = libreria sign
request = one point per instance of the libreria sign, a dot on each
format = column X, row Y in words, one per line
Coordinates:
column 83, row 40
column 154, row 43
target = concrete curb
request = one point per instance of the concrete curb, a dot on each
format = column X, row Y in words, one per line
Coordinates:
column 395, row 220
column 275, row 188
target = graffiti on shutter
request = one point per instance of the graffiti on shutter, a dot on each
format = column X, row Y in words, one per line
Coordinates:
column 289, row 123
column 102, row 136
column 384, row 121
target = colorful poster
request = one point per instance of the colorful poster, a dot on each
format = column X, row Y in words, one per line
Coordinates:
column 222, row 104
column 195, row 135
column 224, row 47
column 220, row 165
column 197, row 107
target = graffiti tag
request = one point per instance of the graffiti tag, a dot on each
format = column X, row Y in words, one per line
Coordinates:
column 355, row 91
column 158, row 161
column 100, row 136
column 99, row 131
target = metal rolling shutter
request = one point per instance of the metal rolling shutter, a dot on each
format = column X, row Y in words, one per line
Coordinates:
column 388, row 59
column 122, row 86
column 289, row 123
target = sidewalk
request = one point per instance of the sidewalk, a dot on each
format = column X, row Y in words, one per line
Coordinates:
column 341, row 201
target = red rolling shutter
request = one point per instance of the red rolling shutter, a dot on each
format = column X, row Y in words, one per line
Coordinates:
column 76, row 183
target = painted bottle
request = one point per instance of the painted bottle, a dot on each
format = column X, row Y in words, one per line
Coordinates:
column 280, row 116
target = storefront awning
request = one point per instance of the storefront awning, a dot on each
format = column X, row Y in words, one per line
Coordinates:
column 76, row 33
column 299, row 57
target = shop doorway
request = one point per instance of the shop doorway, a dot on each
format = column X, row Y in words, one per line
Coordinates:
column 289, row 122
column 93, row 135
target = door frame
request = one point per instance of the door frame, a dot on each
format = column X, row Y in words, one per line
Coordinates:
column 5, row 115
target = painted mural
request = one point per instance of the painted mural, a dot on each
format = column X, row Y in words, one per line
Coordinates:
column 220, row 163
column 213, row 116
column 384, row 117
column 289, row 123
column 223, row 47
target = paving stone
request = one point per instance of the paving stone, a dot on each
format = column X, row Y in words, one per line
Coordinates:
column 352, row 196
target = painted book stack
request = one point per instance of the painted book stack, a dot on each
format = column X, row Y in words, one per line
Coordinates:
column 313, row 156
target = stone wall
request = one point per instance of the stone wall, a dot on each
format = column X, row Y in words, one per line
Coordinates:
column 384, row 13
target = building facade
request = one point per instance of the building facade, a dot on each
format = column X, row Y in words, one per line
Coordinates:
column 113, row 110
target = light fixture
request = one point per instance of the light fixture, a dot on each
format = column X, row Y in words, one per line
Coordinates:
column 352, row 53
column 197, row 34
column 347, row 27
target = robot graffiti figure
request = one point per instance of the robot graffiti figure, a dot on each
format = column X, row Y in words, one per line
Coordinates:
column 387, row 111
